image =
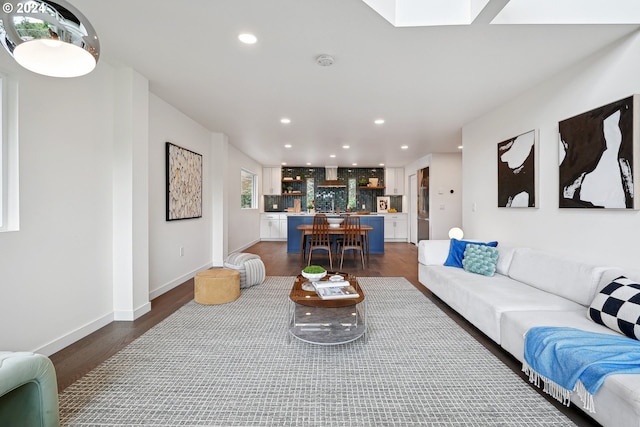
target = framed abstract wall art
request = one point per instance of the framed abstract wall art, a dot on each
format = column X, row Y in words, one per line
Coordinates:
column 517, row 171
column 184, row 183
column 597, row 151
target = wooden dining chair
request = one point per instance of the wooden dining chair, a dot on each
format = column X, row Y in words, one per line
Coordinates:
column 320, row 239
column 352, row 240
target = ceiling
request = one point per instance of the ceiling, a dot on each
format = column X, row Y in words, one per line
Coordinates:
column 425, row 82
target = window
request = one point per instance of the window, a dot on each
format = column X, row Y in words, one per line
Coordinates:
column 8, row 154
column 310, row 193
column 351, row 203
column 248, row 190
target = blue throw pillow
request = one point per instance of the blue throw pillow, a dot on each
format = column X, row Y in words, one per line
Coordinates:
column 456, row 251
column 480, row 259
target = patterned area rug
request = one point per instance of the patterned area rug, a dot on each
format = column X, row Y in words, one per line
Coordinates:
column 233, row 365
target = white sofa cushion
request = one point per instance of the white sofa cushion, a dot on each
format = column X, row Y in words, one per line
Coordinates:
column 433, row 252
column 617, row 402
column 482, row 300
column 505, row 255
column 514, row 324
column 565, row 277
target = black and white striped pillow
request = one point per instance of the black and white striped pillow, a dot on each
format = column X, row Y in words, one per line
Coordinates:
column 617, row 307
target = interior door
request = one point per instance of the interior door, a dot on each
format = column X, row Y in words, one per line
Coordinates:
column 423, row 204
column 413, row 209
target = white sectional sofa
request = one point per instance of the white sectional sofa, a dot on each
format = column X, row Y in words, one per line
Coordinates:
column 532, row 288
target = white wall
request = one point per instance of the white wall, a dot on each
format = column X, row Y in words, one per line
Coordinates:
column 243, row 224
column 598, row 236
column 130, row 172
column 92, row 206
column 167, row 268
column 445, row 174
column 56, row 271
column 445, row 206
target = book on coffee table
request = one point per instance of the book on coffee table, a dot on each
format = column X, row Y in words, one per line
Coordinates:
column 330, row 284
column 336, row 291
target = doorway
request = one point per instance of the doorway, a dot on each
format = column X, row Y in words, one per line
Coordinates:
column 413, row 209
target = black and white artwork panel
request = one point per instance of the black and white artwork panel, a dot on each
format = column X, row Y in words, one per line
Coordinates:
column 596, row 157
column 516, row 171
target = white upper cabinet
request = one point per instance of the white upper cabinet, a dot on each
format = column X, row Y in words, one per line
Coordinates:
column 272, row 181
column 394, row 181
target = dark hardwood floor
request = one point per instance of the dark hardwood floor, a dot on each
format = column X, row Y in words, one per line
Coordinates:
column 399, row 260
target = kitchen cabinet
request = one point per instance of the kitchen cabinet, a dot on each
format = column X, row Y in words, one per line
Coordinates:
column 272, row 181
column 273, row 226
column 394, row 181
column 395, row 227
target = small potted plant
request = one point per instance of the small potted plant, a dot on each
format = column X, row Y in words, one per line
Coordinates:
column 314, row 272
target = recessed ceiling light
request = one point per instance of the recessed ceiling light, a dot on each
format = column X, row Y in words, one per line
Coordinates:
column 287, row 145
column 284, row 163
column 379, row 121
column 346, row 147
column 333, row 156
column 405, row 147
column 308, row 164
column 354, row 164
column 285, row 120
column 381, row 164
column 459, row 147
column 247, row 38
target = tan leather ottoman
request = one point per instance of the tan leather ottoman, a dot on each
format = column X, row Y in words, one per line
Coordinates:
column 216, row 286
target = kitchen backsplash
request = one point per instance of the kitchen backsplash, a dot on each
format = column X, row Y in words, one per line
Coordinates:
column 350, row 196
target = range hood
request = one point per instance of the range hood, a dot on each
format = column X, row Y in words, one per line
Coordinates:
column 331, row 178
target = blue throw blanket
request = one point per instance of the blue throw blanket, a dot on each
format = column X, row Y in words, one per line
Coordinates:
column 569, row 360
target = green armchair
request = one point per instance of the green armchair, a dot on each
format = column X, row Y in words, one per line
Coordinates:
column 28, row 390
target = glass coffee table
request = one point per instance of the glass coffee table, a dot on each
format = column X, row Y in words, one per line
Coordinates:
column 326, row 322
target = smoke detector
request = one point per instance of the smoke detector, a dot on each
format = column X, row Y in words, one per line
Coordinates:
column 324, row 60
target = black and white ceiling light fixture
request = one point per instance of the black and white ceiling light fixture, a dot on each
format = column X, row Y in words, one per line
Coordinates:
column 49, row 37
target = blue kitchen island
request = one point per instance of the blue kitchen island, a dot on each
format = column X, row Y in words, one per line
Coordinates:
column 376, row 236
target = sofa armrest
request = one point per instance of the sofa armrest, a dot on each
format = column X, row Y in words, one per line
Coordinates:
column 28, row 390
column 433, row 252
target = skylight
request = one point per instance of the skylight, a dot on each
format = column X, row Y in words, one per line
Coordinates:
column 416, row 13
column 569, row 12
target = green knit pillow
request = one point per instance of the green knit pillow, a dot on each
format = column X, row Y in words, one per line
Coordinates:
column 480, row 259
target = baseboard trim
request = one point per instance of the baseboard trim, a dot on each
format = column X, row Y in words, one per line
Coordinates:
column 128, row 316
column 242, row 248
column 176, row 282
column 72, row 337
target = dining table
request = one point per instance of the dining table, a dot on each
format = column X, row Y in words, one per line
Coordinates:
column 307, row 230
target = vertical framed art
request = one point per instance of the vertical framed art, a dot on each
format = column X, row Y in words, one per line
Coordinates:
column 383, row 203
column 597, row 155
column 184, row 183
column 517, row 171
